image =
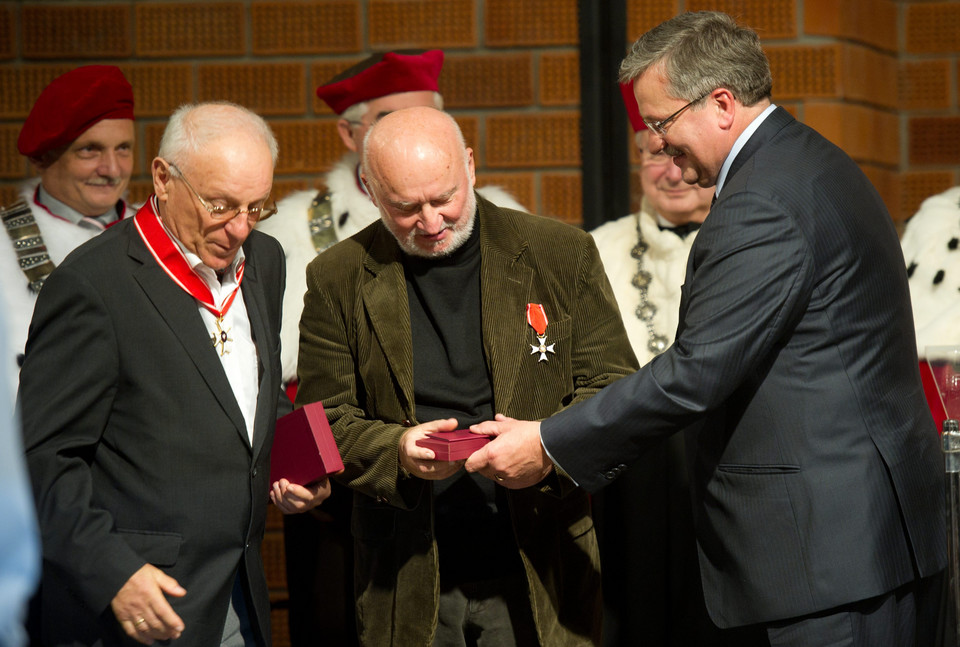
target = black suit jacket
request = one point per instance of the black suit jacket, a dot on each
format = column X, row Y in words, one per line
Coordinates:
column 137, row 448
column 817, row 478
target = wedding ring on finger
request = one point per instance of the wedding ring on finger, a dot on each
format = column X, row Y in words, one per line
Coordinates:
column 498, row 477
column 138, row 622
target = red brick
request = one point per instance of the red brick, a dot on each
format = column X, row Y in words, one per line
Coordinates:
column 396, row 24
column 533, row 140
column 855, row 129
column 8, row 38
column 519, row 185
column 887, row 184
column 917, row 186
column 9, row 193
column 22, row 85
column 12, row 163
column 487, row 81
column 560, row 79
column 89, row 31
column 152, row 132
column 470, row 127
column 869, row 76
column 158, row 89
column 932, row 27
column 185, row 30
column 139, row 190
column 282, row 188
column 562, row 197
column 534, row 23
column 644, row 15
column 873, row 22
column 934, row 140
column 924, row 85
column 769, row 18
column 306, row 27
column 801, row 72
column 307, row 146
column 266, row 88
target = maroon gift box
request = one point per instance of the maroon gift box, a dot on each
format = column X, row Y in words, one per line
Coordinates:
column 304, row 450
column 453, row 445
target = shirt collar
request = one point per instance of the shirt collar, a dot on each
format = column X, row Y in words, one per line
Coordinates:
column 739, row 144
column 207, row 273
column 68, row 213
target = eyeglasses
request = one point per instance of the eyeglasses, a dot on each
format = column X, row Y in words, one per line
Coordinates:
column 224, row 212
column 660, row 127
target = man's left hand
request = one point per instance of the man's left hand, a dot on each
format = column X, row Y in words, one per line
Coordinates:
column 514, row 458
column 291, row 498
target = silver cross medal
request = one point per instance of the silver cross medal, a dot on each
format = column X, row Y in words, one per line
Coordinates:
column 542, row 348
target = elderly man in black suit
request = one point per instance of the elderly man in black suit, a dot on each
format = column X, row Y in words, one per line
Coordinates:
column 149, row 395
column 817, row 482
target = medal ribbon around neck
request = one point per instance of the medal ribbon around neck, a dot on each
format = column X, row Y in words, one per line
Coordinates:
column 537, row 318
column 172, row 260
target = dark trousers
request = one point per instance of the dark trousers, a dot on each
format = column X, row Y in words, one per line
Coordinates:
column 491, row 613
column 905, row 617
column 319, row 553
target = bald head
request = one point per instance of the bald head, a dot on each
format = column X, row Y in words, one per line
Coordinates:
column 421, row 175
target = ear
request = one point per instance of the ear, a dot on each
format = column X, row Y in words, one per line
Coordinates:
column 345, row 128
column 160, row 170
column 369, row 187
column 471, row 167
column 723, row 102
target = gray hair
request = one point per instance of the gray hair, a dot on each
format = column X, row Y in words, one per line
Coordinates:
column 700, row 52
column 190, row 130
column 356, row 112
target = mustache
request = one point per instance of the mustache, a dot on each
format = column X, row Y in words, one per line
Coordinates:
column 105, row 181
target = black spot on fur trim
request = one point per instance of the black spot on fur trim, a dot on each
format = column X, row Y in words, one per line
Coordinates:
column 952, row 245
column 938, row 278
column 911, row 269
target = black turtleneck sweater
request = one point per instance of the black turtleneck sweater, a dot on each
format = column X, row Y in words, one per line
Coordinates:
column 450, row 377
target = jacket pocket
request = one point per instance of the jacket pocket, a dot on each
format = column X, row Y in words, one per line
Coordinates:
column 157, row 548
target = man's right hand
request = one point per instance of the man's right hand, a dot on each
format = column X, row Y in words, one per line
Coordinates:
column 420, row 461
column 142, row 608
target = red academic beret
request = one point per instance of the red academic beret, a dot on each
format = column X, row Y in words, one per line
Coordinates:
column 633, row 110
column 71, row 104
column 383, row 74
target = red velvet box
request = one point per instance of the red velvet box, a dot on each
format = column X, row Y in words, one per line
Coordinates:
column 454, row 445
column 304, row 450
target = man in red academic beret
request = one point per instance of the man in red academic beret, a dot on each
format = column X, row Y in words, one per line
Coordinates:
column 79, row 137
column 308, row 222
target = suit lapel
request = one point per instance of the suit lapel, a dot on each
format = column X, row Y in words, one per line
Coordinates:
column 505, row 287
column 384, row 300
column 179, row 311
column 253, row 299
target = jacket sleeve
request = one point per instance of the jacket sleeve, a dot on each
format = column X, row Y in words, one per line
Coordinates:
column 67, row 384
column 365, row 415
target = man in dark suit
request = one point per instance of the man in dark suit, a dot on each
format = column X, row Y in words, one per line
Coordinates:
column 817, row 483
column 149, row 394
column 445, row 310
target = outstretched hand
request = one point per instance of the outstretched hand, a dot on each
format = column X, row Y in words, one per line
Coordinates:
column 421, row 461
column 515, row 458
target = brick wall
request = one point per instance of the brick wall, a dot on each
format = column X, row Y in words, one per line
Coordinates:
column 510, row 76
column 878, row 77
